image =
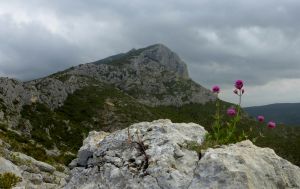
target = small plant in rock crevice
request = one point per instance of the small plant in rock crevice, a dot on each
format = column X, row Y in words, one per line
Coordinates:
column 141, row 147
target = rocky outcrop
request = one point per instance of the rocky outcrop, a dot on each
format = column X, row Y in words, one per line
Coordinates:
column 50, row 91
column 12, row 98
column 155, row 156
column 54, row 90
column 244, row 165
column 34, row 174
column 8, row 166
column 90, row 144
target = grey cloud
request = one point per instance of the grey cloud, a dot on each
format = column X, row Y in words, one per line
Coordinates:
column 221, row 41
column 31, row 51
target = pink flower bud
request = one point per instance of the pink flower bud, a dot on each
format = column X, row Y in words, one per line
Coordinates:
column 261, row 118
column 231, row 112
column 216, row 89
column 239, row 84
column 272, row 124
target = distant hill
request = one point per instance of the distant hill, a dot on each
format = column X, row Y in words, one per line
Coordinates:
column 285, row 113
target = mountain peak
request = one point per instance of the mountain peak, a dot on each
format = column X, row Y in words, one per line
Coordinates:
column 158, row 45
column 163, row 55
column 153, row 75
column 157, row 54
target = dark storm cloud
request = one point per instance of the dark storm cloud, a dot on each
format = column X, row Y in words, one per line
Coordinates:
column 221, row 41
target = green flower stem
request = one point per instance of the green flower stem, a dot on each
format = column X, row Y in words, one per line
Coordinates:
column 218, row 119
column 225, row 135
column 232, row 126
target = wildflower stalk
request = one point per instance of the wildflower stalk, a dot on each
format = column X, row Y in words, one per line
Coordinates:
column 237, row 117
column 224, row 135
column 217, row 124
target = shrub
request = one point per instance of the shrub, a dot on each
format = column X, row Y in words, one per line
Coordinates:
column 9, row 180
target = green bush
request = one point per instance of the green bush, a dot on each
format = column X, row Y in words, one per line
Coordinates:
column 9, row 180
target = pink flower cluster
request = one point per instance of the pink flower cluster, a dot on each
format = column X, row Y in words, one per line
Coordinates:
column 239, row 90
column 238, row 85
column 271, row 124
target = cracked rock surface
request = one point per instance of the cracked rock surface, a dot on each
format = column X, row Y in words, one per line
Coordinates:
column 119, row 164
column 114, row 161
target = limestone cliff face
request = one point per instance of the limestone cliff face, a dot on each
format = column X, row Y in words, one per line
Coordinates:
column 50, row 91
column 153, row 75
column 13, row 95
column 115, row 161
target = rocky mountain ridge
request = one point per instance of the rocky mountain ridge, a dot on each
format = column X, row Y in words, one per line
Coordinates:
column 153, row 75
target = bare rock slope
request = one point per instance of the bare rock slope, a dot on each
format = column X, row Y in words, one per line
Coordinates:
column 154, row 75
column 155, row 156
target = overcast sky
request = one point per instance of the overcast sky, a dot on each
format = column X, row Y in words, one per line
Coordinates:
column 221, row 41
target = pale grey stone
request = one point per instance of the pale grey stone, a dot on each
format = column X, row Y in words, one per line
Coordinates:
column 34, row 178
column 34, row 174
column 8, row 166
column 122, row 165
column 41, row 165
column 116, row 163
column 90, row 144
column 243, row 165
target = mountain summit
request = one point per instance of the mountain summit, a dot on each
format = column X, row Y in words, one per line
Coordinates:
column 153, row 75
column 161, row 54
column 154, row 54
